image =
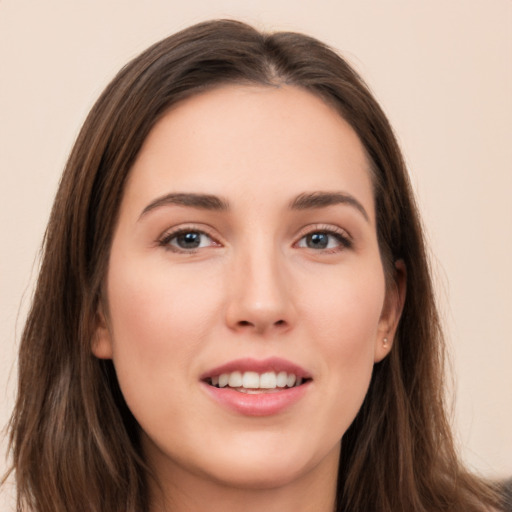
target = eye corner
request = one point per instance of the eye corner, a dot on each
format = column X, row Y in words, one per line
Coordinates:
column 324, row 239
column 188, row 240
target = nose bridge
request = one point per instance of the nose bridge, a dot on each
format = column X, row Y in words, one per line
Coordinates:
column 260, row 295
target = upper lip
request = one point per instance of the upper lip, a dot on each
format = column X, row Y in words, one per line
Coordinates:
column 271, row 364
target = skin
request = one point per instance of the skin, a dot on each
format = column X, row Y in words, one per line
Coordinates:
column 255, row 287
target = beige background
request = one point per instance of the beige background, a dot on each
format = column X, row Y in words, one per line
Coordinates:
column 442, row 70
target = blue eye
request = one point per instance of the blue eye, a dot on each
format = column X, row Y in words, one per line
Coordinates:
column 324, row 240
column 317, row 241
column 187, row 240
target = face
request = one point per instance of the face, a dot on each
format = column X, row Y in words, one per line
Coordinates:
column 246, row 296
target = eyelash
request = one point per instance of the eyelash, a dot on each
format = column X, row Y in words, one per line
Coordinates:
column 165, row 241
column 341, row 236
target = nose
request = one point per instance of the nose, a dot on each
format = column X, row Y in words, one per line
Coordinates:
column 260, row 298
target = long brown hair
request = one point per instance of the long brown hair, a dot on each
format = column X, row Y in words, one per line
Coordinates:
column 74, row 441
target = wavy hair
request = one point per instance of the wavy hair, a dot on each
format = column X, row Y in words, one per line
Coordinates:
column 74, row 442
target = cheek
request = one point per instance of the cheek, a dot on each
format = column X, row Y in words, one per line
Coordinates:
column 152, row 304
column 346, row 310
column 159, row 322
column 344, row 322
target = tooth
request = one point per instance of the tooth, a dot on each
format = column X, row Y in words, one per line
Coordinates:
column 282, row 379
column 235, row 380
column 223, row 380
column 249, row 391
column 268, row 380
column 251, row 380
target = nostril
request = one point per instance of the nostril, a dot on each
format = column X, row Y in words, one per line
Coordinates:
column 246, row 323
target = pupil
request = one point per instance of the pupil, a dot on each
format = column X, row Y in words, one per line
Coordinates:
column 317, row 241
column 189, row 240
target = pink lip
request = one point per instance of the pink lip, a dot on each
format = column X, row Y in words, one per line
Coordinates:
column 259, row 404
column 262, row 404
column 271, row 364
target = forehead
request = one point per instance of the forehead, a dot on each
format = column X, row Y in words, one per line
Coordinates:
column 248, row 140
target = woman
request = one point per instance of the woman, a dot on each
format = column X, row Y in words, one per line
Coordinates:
column 234, row 309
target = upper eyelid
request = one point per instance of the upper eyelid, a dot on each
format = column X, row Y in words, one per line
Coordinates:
column 171, row 233
column 184, row 228
column 328, row 228
column 344, row 238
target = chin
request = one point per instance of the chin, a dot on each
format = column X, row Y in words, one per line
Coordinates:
column 272, row 466
column 260, row 475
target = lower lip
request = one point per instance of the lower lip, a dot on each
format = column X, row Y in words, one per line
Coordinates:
column 257, row 404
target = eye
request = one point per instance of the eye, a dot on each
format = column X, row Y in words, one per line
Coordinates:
column 326, row 240
column 187, row 240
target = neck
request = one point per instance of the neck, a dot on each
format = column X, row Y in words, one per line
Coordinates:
column 180, row 490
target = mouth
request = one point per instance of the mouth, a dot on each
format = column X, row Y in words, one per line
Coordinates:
column 253, row 387
column 252, row 382
column 253, row 376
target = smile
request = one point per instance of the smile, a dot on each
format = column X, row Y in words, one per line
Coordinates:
column 250, row 382
column 257, row 387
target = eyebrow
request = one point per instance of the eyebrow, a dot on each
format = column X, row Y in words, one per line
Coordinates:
column 323, row 199
column 305, row 201
column 200, row 201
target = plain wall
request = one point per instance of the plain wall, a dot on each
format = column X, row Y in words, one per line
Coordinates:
column 442, row 71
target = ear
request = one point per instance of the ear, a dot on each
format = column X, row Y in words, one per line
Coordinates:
column 101, row 345
column 391, row 312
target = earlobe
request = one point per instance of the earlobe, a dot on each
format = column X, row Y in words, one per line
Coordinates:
column 391, row 312
column 101, row 344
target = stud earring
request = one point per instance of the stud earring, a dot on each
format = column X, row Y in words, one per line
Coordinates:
column 385, row 341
